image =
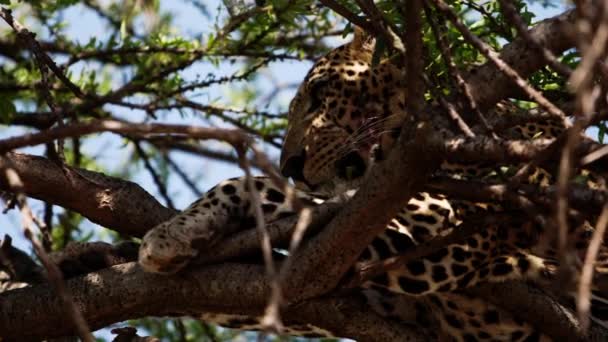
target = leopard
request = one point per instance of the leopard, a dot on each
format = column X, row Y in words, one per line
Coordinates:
column 344, row 119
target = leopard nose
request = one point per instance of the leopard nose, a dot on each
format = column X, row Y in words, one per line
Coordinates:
column 351, row 166
column 294, row 167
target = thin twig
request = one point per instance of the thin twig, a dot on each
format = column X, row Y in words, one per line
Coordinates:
column 209, row 333
column 160, row 184
column 592, row 48
column 195, row 190
column 453, row 114
column 583, row 302
column 272, row 313
column 595, row 155
column 234, row 137
column 262, row 161
column 347, row 14
column 471, row 226
column 272, row 318
column 591, row 54
column 446, row 53
column 181, row 329
column 381, row 25
column 271, row 139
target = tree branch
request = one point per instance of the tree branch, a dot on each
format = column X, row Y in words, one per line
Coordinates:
column 110, row 201
column 126, row 292
column 489, row 85
column 232, row 136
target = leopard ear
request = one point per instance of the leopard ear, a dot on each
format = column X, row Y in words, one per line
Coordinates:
column 363, row 40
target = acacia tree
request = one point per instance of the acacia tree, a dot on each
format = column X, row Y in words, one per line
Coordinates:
column 139, row 78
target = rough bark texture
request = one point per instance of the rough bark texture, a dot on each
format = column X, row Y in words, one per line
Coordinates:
column 488, row 85
column 104, row 200
column 125, row 291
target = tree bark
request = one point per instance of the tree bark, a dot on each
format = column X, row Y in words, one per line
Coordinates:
column 126, row 292
column 102, row 199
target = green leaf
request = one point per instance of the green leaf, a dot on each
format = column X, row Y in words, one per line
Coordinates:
column 7, row 111
column 378, row 51
column 601, row 133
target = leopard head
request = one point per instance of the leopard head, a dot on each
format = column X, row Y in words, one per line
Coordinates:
column 342, row 117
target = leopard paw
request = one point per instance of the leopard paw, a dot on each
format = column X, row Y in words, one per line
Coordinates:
column 162, row 252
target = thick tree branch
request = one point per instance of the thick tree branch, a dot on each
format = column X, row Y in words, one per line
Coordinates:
column 110, row 201
column 489, row 85
column 125, row 291
column 133, row 309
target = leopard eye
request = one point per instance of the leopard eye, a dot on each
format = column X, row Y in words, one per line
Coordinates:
column 315, row 94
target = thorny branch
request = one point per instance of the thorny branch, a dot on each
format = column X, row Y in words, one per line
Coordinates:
column 185, row 178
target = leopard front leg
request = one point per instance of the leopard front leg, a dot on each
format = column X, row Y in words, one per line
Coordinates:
column 223, row 210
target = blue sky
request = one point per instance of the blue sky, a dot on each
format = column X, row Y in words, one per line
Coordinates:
column 83, row 24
